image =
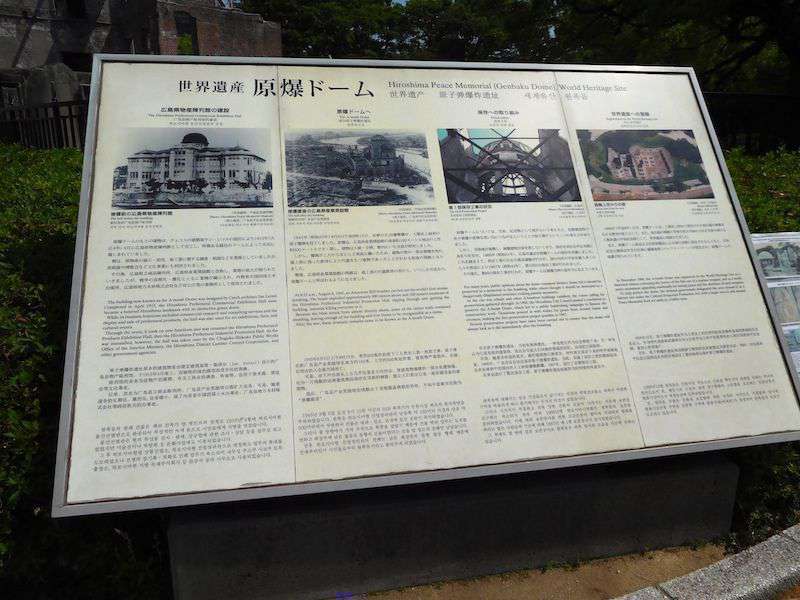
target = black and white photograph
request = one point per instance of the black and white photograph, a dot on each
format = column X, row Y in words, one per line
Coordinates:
column 507, row 165
column 193, row 168
column 779, row 256
column 328, row 167
column 792, row 335
column 786, row 296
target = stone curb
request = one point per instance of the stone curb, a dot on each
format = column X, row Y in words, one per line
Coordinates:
column 757, row 573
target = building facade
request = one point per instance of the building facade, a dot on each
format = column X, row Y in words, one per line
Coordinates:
column 379, row 159
column 640, row 162
column 193, row 161
column 40, row 32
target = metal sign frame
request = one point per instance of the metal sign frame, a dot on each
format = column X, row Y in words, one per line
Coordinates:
column 61, row 508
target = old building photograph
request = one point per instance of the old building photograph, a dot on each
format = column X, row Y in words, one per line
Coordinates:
column 507, row 165
column 357, row 168
column 644, row 164
column 177, row 168
column 792, row 336
column 778, row 258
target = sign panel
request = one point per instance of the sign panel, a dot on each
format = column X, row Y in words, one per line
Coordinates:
column 778, row 255
column 301, row 276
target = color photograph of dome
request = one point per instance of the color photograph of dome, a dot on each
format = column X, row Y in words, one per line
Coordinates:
column 643, row 164
column 507, row 165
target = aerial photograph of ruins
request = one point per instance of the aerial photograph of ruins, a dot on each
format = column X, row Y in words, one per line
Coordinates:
column 357, row 168
column 507, row 165
column 643, row 164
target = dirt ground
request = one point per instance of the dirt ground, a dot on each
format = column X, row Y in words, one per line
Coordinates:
column 792, row 594
column 593, row 580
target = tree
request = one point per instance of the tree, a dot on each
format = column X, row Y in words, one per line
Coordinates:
column 330, row 28
column 197, row 185
column 732, row 44
column 185, row 44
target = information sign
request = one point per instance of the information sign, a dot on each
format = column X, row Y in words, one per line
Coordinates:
column 297, row 276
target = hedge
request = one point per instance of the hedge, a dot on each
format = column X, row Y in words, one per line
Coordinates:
column 120, row 556
column 124, row 556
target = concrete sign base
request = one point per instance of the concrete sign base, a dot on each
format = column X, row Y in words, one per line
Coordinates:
column 337, row 544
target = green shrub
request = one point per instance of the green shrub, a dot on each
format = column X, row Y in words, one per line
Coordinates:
column 124, row 556
column 768, row 187
column 185, row 44
column 768, row 498
column 106, row 557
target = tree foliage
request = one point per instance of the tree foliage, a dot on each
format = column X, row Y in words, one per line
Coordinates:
column 733, row 44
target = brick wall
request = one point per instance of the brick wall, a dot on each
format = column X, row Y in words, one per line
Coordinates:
column 220, row 32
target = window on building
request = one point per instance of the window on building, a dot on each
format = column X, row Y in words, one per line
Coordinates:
column 186, row 29
column 513, row 185
column 77, row 61
column 10, row 95
column 76, row 9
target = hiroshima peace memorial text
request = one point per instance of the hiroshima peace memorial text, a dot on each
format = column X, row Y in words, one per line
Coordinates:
column 305, row 276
